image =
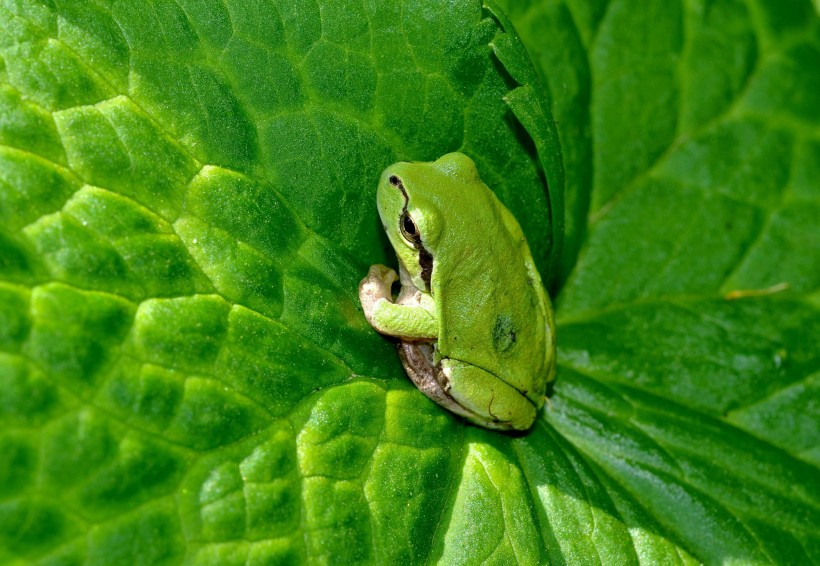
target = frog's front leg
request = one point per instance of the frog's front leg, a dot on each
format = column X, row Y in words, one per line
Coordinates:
column 406, row 321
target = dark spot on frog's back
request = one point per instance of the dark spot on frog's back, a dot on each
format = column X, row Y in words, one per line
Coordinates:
column 504, row 333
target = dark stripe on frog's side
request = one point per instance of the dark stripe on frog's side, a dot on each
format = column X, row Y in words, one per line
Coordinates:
column 426, row 263
column 425, row 258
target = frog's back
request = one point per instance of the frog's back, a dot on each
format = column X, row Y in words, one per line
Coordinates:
column 494, row 313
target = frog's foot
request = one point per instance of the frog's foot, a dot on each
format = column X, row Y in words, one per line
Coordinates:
column 375, row 287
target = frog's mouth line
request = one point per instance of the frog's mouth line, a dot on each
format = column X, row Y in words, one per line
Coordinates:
column 425, row 257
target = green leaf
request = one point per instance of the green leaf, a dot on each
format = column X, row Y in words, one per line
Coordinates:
column 187, row 206
column 685, row 411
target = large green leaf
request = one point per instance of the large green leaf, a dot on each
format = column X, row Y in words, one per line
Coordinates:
column 685, row 422
column 186, row 208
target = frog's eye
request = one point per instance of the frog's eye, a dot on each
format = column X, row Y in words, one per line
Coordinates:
column 409, row 229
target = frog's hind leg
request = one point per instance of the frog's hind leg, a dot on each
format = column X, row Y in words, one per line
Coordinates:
column 498, row 405
column 417, row 359
column 475, row 394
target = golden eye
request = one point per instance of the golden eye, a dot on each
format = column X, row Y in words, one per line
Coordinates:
column 409, row 229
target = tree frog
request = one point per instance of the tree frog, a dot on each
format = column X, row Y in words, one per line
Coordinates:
column 474, row 324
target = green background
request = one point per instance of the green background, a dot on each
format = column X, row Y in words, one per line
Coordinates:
column 187, row 206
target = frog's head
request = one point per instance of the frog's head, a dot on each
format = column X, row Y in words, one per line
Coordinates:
column 417, row 203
